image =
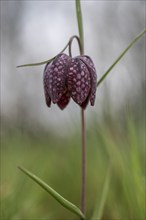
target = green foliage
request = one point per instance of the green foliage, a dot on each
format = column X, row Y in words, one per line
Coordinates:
column 53, row 193
column 115, row 143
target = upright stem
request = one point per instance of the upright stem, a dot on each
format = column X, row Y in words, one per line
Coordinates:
column 81, row 35
column 80, row 23
column 83, row 195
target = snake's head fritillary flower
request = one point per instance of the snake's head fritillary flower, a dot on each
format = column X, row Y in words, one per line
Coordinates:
column 68, row 77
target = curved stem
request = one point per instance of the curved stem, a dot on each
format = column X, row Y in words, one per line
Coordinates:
column 50, row 60
column 79, row 43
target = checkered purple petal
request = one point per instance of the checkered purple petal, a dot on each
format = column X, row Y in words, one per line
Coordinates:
column 57, row 74
column 79, row 80
column 90, row 65
column 64, row 100
column 46, row 84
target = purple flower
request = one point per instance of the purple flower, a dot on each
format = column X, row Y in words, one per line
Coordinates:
column 68, row 77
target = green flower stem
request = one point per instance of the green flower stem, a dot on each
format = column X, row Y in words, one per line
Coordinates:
column 80, row 24
column 83, row 189
column 68, row 205
column 70, row 44
column 119, row 58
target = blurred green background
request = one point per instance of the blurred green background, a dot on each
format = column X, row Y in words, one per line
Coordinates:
column 48, row 141
column 119, row 144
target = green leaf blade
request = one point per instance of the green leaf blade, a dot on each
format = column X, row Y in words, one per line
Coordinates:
column 119, row 58
column 44, row 62
column 36, row 64
column 64, row 202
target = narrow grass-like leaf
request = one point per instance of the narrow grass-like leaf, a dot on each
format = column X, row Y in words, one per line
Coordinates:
column 119, row 58
column 37, row 64
column 44, row 62
column 80, row 23
column 99, row 210
column 68, row 205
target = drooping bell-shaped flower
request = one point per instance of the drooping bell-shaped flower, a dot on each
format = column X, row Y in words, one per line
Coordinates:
column 68, row 77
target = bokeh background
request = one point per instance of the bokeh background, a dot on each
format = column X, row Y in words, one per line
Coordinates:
column 47, row 141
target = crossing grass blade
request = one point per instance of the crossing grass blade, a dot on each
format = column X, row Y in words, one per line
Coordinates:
column 119, row 58
column 68, row 205
column 99, row 210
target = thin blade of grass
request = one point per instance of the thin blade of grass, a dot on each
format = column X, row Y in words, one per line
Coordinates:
column 119, row 58
column 99, row 210
column 68, row 205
